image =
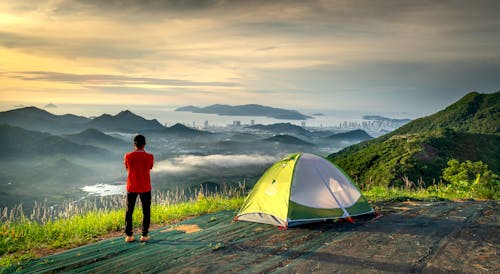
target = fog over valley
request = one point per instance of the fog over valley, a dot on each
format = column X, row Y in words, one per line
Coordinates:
column 54, row 158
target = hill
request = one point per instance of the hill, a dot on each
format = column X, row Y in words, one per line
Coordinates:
column 475, row 113
column 244, row 137
column 385, row 119
column 248, row 110
column 281, row 128
column 466, row 130
column 288, row 140
column 33, row 118
column 353, row 135
column 16, row 143
column 184, row 131
column 96, row 138
column 125, row 121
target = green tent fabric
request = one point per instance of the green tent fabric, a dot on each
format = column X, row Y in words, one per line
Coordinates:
column 302, row 188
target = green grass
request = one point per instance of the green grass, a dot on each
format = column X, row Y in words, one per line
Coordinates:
column 382, row 193
column 22, row 238
column 435, row 192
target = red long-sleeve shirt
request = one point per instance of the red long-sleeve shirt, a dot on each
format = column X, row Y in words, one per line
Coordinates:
column 138, row 163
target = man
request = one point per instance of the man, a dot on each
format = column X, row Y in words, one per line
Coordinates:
column 138, row 163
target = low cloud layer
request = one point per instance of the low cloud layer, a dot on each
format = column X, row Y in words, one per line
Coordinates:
column 190, row 163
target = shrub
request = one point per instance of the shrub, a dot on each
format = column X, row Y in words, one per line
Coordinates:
column 472, row 179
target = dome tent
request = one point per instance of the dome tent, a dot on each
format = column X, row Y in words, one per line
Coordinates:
column 302, row 188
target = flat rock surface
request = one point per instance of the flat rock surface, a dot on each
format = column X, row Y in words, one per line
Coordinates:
column 408, row 237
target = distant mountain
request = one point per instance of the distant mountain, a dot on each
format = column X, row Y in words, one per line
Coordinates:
column 182, row 130
column 287, row 139
column 248, row 110
column 354, row 135
column 61, row 170
column 189, row 109
column 385, row 119
column 16, row 143
column 125, row 121
column 281, row 128
column 14, row 140
column 96, row 138
column 33, row 118
column 36, row 119
column 244, row 137
column 466, row 130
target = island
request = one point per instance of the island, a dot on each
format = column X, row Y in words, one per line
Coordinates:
column 247, row 110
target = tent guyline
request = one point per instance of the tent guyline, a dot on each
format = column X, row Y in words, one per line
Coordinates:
column 303, row 188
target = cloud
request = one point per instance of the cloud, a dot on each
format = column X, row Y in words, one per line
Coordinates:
column 226, row 50
column 95, row 47
column 139, row 5
column 190, row 163
column 179, row 7
column 105, row 79
column 149, row 91
column 18, row 40
column 345, row 16
column 266, row 48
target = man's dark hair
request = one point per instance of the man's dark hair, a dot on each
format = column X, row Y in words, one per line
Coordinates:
column 139, row 140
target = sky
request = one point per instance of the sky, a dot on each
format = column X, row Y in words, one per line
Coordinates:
column 414, row 56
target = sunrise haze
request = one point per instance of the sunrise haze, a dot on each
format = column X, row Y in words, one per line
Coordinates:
column 410, row 56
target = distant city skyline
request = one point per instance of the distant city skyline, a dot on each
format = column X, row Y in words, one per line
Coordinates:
column 398, row 56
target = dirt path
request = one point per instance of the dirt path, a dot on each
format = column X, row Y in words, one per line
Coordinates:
column 409, row 237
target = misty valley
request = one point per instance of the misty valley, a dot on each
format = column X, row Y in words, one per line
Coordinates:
column 54, row 158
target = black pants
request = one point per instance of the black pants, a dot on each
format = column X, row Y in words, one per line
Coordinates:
column 146, row 212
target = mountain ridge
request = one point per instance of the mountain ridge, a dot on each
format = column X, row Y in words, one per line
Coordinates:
column 18, row 142
column 473, row 113
column 287, row 140
column 33, row 118
column 357, row 134
column 125, row 121
column 419, row 150
column 281, row 128
column 182, row 130
column 94, row 137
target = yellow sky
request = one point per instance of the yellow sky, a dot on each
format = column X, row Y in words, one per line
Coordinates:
column 285, row 53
